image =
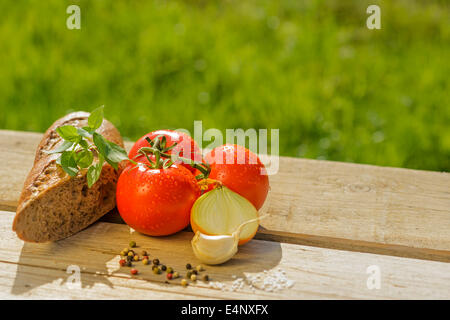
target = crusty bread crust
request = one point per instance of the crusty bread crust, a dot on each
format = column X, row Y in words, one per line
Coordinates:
column 50, row 198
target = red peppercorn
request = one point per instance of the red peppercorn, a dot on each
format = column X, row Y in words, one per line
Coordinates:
column 122, row 262
column 169, row 276
column 133, row 271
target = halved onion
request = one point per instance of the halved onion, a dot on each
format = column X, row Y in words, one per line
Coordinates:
column 221, row 211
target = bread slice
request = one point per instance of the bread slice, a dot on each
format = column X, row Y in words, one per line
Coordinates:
column 53, row 205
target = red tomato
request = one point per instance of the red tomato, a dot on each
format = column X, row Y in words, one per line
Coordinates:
column 241, row 171
column 187, row 147
column 156, row 202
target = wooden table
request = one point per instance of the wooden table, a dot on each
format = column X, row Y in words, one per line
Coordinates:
column 330, row 225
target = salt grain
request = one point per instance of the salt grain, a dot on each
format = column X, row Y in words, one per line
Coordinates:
column 269, row 281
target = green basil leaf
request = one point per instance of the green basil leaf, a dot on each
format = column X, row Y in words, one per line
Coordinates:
column 101, row 144
column 62, row 147
column 95, row 120
column 84, row 133
column 84, row 144
column 93, row 174
column 103, row 147
column 68, row 133
column 88, row 129
column 95, row 171
column 84, row 158
column 117, row 153
column 67, row 159
column 70, row 171
column 69, row 164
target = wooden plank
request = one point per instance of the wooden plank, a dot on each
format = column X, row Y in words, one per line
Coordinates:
column 328, row 204
column 40, row 270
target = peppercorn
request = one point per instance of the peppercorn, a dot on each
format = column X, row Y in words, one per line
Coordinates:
column 128, row 264
column 205, row 278
column 144, row 253
column 163, row 268
column 188, row 266
column 169, row 270
column 145, row 261
column 155, row 262
column 146, row 257
column 184, row 282
column 123, row 253
column 129, row 258
column 136, row 258
column 189, row 274
column 194, row 272
column 193, row 277
column 130, row 254
column 175, row 275
column 132, row 244
column 125, row 250
column 122, row 262
column 169, row 276
column 199, row 268
column 156, row 270
column 134, row 271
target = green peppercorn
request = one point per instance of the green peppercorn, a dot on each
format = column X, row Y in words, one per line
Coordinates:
column 132, row 244
column 169, row 270
column 184, row 282
column 123, row 253
column 194, row 272
column 130, row 253
column 125, row 250
column 175, row 275
column 136, row 258
column 205, row 278
column 193, row 277
column 189, row 274
column 188, row 266
column 145, row 261
column 156, row 262
column 163, row 268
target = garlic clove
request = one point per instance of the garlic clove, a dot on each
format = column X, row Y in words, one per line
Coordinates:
column 215, row 249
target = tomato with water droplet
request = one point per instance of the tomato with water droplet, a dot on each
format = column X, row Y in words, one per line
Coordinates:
column 156, row 202
column 241, row 171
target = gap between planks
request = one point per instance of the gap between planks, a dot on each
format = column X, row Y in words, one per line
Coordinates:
column 30, row 270
column 328, row 204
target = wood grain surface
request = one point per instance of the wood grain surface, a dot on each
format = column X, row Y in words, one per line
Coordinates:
column 321, row 203
column 44, row 270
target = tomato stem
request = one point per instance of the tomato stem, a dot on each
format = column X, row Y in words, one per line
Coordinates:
column 160, row 151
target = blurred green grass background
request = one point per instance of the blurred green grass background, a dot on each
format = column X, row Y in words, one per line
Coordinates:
column 335, row 89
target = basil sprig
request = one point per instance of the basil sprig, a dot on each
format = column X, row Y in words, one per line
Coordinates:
column 80, row 145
